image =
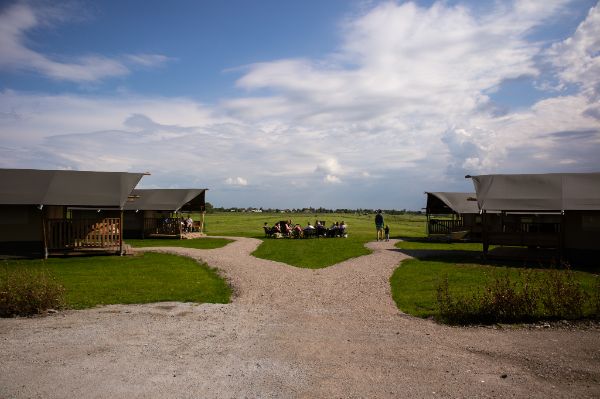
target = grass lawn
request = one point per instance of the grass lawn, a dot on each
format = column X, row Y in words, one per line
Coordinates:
column 414, row 283
column 197, row 243
column 103, row 280
column 311, row 253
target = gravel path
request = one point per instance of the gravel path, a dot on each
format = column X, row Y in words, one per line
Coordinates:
column 289, row 333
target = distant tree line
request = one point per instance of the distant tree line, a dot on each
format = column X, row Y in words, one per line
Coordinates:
column 358, row 211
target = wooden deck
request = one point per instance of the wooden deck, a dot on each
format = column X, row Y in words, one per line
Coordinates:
column 83, row 235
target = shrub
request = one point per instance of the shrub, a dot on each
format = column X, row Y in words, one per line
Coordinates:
column 27, row 292
column 596, row 298
column 528, row 296
column 563, row 296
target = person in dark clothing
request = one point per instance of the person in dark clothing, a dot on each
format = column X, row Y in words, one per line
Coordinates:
column 379, row 225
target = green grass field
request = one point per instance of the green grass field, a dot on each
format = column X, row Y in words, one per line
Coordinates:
column 311, row 253
column 147, row 278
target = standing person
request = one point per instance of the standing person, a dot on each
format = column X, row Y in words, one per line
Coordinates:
column 387, row 232
column 379, row 225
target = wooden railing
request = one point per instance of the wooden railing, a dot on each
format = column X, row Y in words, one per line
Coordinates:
column 529, row 227
column 525, row 234
column 82, row 233
column 440, row 226
column 162, row 226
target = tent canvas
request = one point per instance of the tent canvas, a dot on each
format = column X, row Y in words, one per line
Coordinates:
column 538, row 192
column 164, row 199
column 66, row 187
column 63, row 210
column 454, row 202
column 553, row 210
column 463, row 210
column 156, row 212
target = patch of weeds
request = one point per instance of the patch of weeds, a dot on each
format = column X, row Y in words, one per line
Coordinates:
column 522, row 297
column 28, row 292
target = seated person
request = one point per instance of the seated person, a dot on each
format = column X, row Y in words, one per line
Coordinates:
column 309, row 230
column 343, row 228
column 297, row 230
column 267, row 229
column 332, row 231
column 320, row 229
column 276, row 228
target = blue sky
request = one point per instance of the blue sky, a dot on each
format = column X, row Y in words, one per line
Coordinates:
column 291, row 104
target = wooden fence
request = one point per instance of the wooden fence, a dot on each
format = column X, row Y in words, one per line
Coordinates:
column 83, row 233
column 162, row 226
column 440, row 226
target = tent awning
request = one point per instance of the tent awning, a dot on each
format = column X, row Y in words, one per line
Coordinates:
column 66, row 187
column 444, row 203
column 167, row 199
column 538, row 192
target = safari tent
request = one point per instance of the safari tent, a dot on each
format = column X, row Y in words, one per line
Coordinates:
column 44, row 212
column 453, row 213
column 555, row 210
column 157, row 212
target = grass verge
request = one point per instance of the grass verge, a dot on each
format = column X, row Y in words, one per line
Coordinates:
column 146, row 278
column 415, row 283
column 314, row 253
column 197, row 243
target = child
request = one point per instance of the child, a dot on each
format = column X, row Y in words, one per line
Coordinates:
column 387, row 232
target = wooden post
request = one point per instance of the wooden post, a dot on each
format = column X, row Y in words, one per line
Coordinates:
column 121, row 234
column 562, row 233
column 202, row 222
column 44, row 234
column 484, row 234
column 180, row 225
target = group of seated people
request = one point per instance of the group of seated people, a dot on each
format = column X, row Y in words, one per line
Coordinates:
column 287, row 229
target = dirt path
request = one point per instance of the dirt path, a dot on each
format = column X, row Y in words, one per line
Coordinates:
column 288, row 333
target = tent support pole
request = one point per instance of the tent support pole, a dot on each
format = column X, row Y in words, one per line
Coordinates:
column 121, row 233
column 44, row 233
column 484, row 233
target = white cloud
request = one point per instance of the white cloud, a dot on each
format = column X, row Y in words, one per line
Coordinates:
column 578, row 57
column 148, row 60
column 236, row 181
column 332, row 179
column 20, row 18
column 397, row 109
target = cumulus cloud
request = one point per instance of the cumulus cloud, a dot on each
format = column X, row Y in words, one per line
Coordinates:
column 577, row 58
column 20, row 18
column 332, row 179
column 399, row 107
column 236, row 181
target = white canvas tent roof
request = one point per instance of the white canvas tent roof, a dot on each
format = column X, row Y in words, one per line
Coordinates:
column 162, row 199
column 458, row 202
column 66, row 187
column 538, row 192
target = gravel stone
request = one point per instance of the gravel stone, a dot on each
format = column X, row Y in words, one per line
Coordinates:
column 289, row 333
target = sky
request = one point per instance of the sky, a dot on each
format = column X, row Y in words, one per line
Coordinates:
column 277, row 104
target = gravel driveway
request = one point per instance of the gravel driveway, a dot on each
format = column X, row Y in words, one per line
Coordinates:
column 288, row 333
